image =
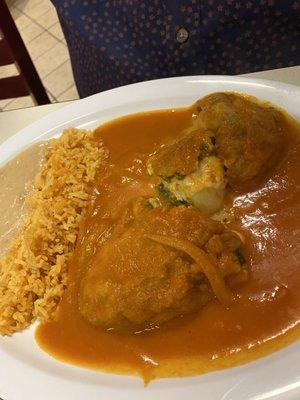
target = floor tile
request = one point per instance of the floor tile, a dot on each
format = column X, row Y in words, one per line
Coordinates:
column 31, row 32
column 40, row 29
column 22, row 21
column 41, row 44
column 48, row 19
column 70, row 94
column 25, row 5
column 60, row 79
column 11, row 3
column 38, row 10
column 57, row 31
column 20, row 102
column 4, row 103
column 8, row 70
column 52, row 59
column 51, row 97
column 15, row 12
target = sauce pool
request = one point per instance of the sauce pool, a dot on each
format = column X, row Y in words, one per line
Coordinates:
column 265, row 315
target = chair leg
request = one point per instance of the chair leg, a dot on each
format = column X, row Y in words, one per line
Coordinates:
column 21, row 55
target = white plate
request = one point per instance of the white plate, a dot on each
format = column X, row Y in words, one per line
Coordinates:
column 28, row 373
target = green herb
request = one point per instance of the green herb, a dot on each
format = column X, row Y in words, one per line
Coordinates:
column 177, row 176
column 168, row 196
column 240, row 257
column 205, row 151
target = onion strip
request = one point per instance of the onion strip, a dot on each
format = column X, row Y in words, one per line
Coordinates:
column 201, row 258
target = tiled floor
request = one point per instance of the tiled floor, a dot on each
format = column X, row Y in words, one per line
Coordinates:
column 40, row 29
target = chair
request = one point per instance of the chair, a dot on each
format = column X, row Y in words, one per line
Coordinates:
column 13, row 50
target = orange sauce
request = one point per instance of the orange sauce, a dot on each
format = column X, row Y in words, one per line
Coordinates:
column 264, row 317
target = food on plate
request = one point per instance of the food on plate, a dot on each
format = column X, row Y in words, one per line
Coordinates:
column 247, row 135
column 233, row 140
column 14, row 191
column 33, row 271
column 157, row 264
column 163, row 243
column 190, row 172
